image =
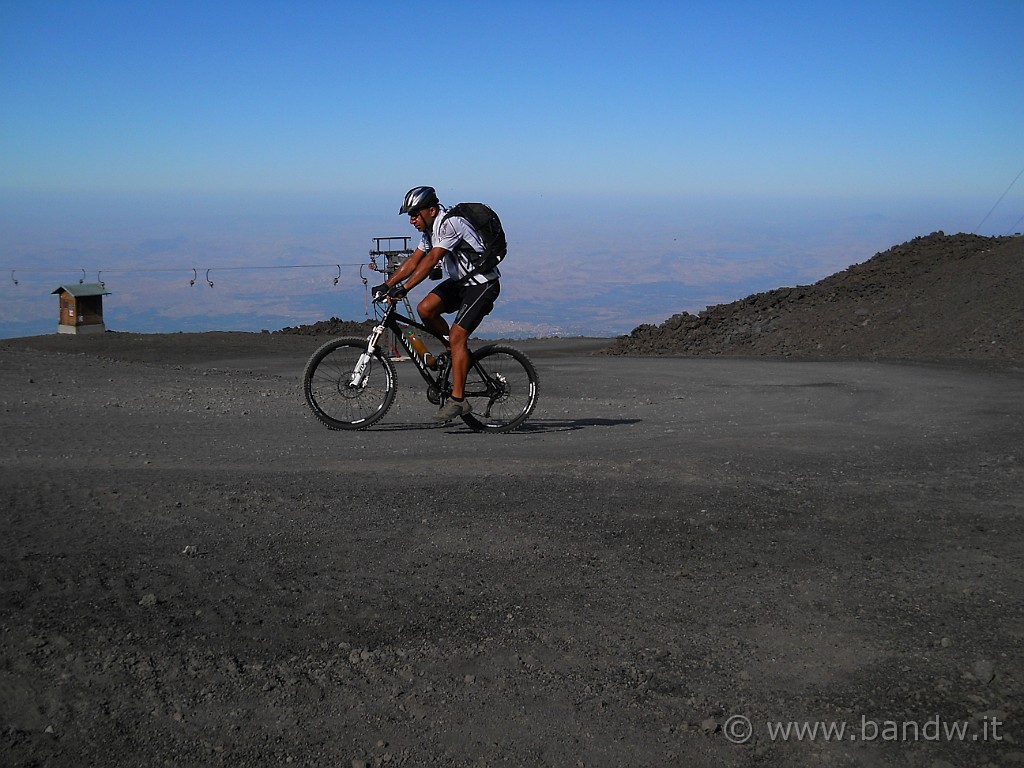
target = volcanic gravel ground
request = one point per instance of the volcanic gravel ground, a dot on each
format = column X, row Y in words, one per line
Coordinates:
column 194, row 572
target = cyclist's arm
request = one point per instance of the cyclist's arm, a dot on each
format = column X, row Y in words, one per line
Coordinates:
column 407, row 268
column 416, row 268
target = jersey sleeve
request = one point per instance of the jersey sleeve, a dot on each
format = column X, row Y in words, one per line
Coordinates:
column 447, row 235
column 456, row 232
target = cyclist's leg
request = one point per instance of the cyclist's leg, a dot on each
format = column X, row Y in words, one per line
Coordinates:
column 444, row 298
column 477, row 303
column 460, row 359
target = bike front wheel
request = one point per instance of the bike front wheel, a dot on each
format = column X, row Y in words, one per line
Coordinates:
column 346, row 390
column 501, row 385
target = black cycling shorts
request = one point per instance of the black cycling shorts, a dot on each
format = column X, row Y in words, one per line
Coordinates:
column 473, row 302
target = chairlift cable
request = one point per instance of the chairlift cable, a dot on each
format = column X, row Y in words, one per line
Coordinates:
column 1005, row 193
column 1014, row 225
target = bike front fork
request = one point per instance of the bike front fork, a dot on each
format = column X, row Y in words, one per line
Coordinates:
column 363, row 363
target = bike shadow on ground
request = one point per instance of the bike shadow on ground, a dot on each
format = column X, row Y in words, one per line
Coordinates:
column 539, row 426
column 531, row 427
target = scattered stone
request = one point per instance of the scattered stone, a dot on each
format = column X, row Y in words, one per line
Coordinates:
column 984, row 671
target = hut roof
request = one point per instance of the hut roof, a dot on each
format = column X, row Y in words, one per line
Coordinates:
column 82, row 289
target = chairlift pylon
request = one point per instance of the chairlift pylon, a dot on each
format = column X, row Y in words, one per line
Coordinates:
column 394, row 250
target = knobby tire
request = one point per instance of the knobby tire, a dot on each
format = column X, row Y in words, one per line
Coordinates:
column 329, row 394
column 502, row 386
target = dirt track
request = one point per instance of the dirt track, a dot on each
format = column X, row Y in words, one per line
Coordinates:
column 195, row 572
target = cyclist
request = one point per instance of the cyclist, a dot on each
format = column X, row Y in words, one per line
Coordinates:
column 466, row 291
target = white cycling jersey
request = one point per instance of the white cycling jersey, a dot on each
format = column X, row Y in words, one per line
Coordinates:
column 453, row 234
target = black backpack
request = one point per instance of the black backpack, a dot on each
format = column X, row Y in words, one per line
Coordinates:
column 487, row 224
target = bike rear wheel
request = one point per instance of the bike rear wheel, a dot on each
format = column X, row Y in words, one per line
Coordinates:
column 502, row 387
column 327, row 383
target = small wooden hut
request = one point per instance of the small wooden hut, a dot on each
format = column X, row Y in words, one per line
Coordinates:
column 81, row 308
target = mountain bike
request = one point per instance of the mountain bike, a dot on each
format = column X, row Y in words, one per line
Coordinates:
column 350, row 383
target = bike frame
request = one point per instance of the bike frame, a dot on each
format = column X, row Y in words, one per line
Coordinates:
column 393, row 320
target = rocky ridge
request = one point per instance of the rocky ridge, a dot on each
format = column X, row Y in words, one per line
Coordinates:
column 934, row 298
column 333, row 327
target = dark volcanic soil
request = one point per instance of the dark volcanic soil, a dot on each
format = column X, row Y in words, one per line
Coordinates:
column 673, row 555
column 940, row 297
column 333, row 327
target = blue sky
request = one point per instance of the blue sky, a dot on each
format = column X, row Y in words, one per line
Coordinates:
column 646, row 159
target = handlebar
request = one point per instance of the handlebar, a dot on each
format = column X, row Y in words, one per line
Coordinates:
column 394, row 295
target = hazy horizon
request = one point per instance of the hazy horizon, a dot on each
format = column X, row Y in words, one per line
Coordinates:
column 645, row 161
column 594, row 269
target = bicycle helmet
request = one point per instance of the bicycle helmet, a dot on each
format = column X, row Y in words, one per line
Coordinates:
column 418, row 197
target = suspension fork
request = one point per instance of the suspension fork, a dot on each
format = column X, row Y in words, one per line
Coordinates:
column 358, row 378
